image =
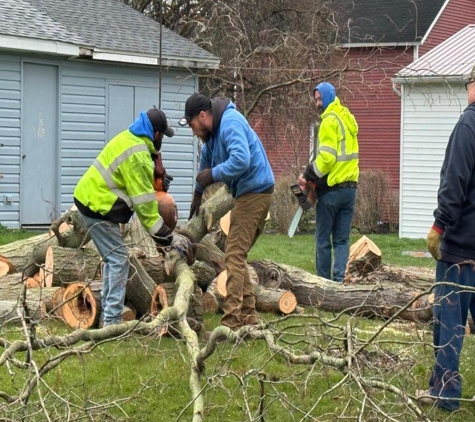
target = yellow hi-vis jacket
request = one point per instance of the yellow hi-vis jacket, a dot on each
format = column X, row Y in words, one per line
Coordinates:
column 119, row 182
column 337, row 154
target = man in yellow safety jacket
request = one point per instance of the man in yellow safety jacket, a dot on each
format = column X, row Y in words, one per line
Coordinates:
column 119, row 182
column 335, row 174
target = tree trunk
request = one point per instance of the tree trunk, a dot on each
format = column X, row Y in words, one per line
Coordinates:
column 20, row 251
column 37, row 302
column 140, row 287
column 164, row 296
column 67, row 265
column 382, row 297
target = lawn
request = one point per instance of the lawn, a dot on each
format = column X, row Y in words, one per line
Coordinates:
column 148, row 378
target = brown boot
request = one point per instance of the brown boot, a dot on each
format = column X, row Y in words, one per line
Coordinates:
column 250, row 319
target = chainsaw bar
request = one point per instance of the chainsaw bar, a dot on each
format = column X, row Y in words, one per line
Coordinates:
column 295, row 222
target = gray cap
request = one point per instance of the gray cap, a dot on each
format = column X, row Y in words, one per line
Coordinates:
column 159, row 122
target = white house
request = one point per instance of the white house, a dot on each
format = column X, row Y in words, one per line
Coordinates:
column 433, row 97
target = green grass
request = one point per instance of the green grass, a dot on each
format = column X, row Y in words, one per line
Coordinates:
column 8, row 236
column 300, row 250
column 154, row 372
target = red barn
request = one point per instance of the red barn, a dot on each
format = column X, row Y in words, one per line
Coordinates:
column 378, row 38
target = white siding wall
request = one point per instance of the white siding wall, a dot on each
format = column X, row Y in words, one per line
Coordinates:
column 83, row 114
column 429, row 113
column 10, row 94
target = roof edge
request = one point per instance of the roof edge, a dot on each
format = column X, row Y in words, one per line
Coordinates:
column 428, row 79
column 426, row 35
column 380, row 44
column 37, row 45
column 167, row 60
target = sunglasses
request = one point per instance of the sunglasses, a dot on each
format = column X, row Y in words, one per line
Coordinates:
column 468, row 83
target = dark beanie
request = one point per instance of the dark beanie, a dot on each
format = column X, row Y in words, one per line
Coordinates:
column 159, row 122
column 195, row 105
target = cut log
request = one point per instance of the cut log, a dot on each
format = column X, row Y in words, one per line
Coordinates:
column 55, row 306
column 267, row 300
column 225, row 223
column 63, row 228
column 4, row 268
column 11, row 312
column 364, row 258
column 129, row 313
column 164, row 296
column 275, row 300
column 28, row 254
column 210, row 303
column 36, row 302
column 20, row 251
column 68, row 265
column 32, row 283
column 10, row 268
column 82, row 304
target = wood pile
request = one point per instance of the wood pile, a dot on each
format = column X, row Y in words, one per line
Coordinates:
column 58, row 275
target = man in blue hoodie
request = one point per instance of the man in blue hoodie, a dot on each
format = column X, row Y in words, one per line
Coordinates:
column 119, row 182
column 451, row 241
column 334, row 172
column 232, row 153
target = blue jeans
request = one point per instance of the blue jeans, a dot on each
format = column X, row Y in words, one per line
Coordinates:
column 335, row 211
column 111, row 246
column 451, row 305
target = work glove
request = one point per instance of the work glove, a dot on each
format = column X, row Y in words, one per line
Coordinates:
column 166, row 182
column 184, row 247
column 433, row 242
column 163, row 237
column 204, row 178
column 195, row 204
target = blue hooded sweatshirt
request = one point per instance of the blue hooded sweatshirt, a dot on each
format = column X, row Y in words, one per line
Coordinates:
column 235, row 153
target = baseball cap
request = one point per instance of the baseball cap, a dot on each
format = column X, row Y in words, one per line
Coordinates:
column 159, row 122
column 194, row 105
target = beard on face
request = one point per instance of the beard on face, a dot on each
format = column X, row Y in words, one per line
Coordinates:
column 205, row 136
column 320, row 109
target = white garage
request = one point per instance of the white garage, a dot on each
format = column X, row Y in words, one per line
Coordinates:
column 433, row 97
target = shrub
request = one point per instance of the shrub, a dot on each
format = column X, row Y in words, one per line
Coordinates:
column 376, row 203
column 284, row 205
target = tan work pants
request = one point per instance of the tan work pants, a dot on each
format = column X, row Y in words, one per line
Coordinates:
column 247, row 223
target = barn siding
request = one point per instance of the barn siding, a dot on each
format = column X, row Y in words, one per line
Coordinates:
column 370, row 96
column 83, row 125
column 456, row 15
column 10, row 95
column 429, row 113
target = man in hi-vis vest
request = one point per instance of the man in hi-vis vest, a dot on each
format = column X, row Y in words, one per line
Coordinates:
column 335, row 174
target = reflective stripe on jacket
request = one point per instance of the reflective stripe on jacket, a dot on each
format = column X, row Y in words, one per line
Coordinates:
column 337, row 154
column 120, row 181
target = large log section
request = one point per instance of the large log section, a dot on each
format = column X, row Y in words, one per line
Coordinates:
column 390, row 290
column 27, row 254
